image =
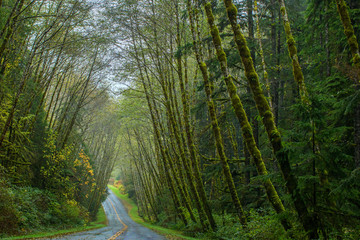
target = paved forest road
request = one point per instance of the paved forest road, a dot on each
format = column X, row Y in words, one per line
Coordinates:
column 119, row 222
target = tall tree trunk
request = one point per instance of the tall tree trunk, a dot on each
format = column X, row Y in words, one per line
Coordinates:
column 297, row 71
column 161, row 148
column 195, row 179
column 261, row 52
column 307, row 220
column 214, row 122
column 10, row 25
column 350, row 35
column 242, row 118
column 354, row 48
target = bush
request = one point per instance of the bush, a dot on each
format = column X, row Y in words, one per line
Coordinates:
column 9, row 216
column 261, row 226
column 26, row 209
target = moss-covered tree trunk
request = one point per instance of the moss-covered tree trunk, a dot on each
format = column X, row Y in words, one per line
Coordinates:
column 297, row 71
column 242, row 118
column 143, row 180
column 307, row 220
column 299, row 79
column 193, row 174
column 175, row 140
column 149, row 163
column 11, row 25
column 350, row 34
column 354, row 48
column 214, row 123
column 261, row 53
column 162, row 149
column 150, row 179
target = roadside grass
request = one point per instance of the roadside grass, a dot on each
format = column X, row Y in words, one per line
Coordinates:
column 99, row 223
column 132, row 210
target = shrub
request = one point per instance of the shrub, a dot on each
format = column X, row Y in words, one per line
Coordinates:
column 9, row 216
column 261, row 226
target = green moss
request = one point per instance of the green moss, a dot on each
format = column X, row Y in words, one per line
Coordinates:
column 268, row 114
column 349, row 31
column 210, row 17
column 282, row 10
column 252, row 76
column 266, row 76
column 353, row 41
column 230, row 8
column 290, row 41
column 356, row 59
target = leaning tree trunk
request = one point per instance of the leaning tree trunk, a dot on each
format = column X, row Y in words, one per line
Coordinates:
column 214, row 122
column 242, row 118
column 350, row 34
column 354, row 48
column 194, row 176
column 307, row 220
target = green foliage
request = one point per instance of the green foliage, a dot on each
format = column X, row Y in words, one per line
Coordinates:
column 261, row 225
column 9, row 217
column 58, row 169
column 26, row 209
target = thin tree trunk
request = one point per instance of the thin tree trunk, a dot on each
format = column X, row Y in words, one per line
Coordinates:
column 196, row 183
column 214, row 122
column 79, row 103
column 10, row 25
column 297, row 72
column 162, row 150
column 261, row 52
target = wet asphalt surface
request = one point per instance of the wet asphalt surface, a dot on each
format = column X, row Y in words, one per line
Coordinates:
column 117, row 218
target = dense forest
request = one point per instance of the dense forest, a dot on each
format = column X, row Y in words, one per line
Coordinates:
column 222, row 119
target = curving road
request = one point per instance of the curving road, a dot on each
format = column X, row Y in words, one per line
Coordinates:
column 120, row 226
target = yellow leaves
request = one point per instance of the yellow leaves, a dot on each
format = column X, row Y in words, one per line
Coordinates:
column 72, row 203
column 77, row 163
column 84, row 161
